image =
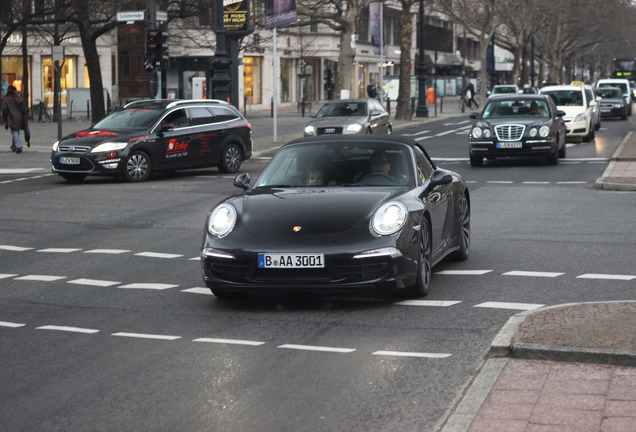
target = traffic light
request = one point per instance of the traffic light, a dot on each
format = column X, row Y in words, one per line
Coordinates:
column 152, row 41
column 161, row 51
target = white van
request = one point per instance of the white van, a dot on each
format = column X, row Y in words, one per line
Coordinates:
column 621, row 83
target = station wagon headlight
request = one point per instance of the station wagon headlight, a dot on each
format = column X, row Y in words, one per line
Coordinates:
column 389, row 218
column 309, row 130
column 544, row 131
column 109, row 147
column 354, row 128
column 55, row 144
column 222, row 220
column 476, row 132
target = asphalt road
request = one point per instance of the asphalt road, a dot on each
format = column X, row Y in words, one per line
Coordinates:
column 104, row 324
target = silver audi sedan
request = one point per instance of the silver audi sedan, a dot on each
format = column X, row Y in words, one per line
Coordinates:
column 350, row 116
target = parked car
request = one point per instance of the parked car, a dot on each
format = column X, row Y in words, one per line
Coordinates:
column 612, row 102
column 518, row 126
column 350, row 116
column 578, row 106
column 379, row 231
column 621, row 83
column 591, row 96
column 156, row 135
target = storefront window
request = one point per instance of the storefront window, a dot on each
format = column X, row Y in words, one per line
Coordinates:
column 68, row 78
column 11, row 73
column 252, row 79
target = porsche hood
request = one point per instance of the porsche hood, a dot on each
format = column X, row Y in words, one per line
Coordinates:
column 311, row 211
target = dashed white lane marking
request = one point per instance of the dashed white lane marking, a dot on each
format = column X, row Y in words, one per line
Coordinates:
column 606, row 276
column 19, row 170
column 67, row 329
column 317, row 348
column 463, row 272
column 571, row 182
column 499, row 182
column 536, row 182
column 11, row 324
column 146, row 336
column 423, row 138
column 431, row 303
column 7, row 275
column 532, row 274
column 198, row 290
column 417, row 133
column 107, row 251
column 43, row 278
column 229, row 341
column 15, row 248
column 150, row 286
column 93, row 282
column 158, row 255
column 412, row 354
column 58, row 250
column 512, row 306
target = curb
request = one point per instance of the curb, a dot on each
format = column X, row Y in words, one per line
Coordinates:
column 601, row 184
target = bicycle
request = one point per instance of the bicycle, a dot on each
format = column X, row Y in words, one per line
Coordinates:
column 44, row 113
column 464, row 102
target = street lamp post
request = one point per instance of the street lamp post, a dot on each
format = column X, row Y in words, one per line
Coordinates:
column 422, row 109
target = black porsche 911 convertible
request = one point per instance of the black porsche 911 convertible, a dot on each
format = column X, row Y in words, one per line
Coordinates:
column 338, row 215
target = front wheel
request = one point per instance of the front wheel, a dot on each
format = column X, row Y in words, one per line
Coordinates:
column 425, row 262
column 463, row 217
column 138, row 167
column 231, row 159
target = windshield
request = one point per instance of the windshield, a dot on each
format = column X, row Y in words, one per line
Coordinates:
column 516, row 108
column 343, row 109
column 339, row 164
column 566, row 97
column 130, row 119
column 622, row 86
column 509, row 89
column 609, row 93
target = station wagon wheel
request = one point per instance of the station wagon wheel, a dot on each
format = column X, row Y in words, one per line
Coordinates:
column 138, row 167
column 463, row 216
column 231, row 159
column 425, row 264
column 562, row 151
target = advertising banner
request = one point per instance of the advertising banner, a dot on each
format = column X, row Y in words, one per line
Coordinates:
column 279, row 12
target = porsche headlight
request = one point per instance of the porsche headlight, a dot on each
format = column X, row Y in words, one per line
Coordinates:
column 580, row 117
column 109, row 147
column 310, row 130
column 389, row 218
column 476, row 133
column 533, row 132
column 544, row 132
column 354, row 128
column 222, row 220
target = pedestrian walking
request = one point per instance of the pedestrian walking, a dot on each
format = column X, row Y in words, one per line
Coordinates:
column 372, row 90
column 15, row 116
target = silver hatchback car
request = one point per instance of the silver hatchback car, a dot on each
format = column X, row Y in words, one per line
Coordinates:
column 350, row 116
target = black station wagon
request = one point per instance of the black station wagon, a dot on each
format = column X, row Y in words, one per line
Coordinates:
column 156, row 135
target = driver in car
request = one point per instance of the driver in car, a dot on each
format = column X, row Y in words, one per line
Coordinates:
column 379, row 163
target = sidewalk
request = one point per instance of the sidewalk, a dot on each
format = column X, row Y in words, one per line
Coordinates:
column 556, row 369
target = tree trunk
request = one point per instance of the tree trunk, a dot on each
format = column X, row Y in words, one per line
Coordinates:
column 403, row 109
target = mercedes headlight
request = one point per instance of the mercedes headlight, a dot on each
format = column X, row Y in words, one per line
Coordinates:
column 486, row 133
column 476, row 133
column 222, row 220
column 533, row 132
column 544, row 131
column 389, row 218
column 109, row 147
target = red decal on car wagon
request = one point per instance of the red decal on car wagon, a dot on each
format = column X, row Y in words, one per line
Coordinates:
column 88, row 134
column 176, row 149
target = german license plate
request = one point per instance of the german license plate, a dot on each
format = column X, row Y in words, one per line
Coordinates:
column 299, row 260
column 69, row 160
column 509, row 145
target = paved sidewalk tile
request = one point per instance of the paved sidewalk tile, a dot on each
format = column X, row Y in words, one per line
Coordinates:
column 548, row 396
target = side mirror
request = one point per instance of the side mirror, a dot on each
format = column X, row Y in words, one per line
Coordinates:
column 243, row 181
column 474, row 115
column 593, row 103
column 560, row 113
column 375, row 113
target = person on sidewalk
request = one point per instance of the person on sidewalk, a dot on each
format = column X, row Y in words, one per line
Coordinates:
column 372, row 90
column 15, row 116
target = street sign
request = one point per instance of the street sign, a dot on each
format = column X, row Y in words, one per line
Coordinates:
column 162, row 16
column 57, row 52
column 131, row 16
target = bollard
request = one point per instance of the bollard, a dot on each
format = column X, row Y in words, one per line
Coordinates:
column 272, row 107
column 388, row 105
column 412, row 106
